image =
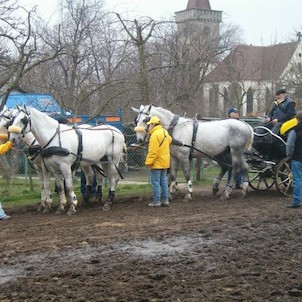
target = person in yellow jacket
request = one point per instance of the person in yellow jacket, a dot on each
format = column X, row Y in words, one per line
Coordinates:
column 158, row 161
column 3, row 149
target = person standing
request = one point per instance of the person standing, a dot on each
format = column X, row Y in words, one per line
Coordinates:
column 234, row 113
column 294, row 154
column 158, row 161
column 283, row 109
column 3, row 149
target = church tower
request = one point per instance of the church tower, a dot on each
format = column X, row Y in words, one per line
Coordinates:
column 199, row 19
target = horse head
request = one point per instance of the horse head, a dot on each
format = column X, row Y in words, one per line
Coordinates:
column 20, row 123
column 141, row 129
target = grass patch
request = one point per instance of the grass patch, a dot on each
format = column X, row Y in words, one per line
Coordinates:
column 19, row 192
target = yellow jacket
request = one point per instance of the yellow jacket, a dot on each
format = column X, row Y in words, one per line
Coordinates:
column 158, row 156
column 5, row 147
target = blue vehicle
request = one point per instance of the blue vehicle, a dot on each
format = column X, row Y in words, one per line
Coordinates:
column 46, row 103
column 43, row 102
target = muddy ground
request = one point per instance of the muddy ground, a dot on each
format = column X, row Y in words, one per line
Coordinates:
column 204, row 250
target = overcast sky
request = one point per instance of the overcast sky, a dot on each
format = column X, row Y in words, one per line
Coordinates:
column 263, row 22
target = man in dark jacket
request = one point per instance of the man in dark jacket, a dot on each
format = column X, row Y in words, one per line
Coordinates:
column 283, row 109
column 294, row 153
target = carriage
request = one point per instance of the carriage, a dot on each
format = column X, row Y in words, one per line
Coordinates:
column 268, row 163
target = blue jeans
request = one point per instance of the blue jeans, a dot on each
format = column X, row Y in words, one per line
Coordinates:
column 239, row 177
column 2, row 213
column 159, row 185
column 296, row 167
column 83, row 184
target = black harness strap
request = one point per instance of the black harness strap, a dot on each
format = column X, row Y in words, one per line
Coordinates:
column 171, row 129
column 195, row 128
column 79, row 157
column 173, row 124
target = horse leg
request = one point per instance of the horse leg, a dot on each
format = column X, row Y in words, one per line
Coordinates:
column 99, row 193
column 99, row 180
column 245, row 177
column 218, row 178
column 69, row 189
column 186, row 172
column 236, row 166
column 89, row 175
column 42, row 204
column 47, row 190
column 172, row 175
column 61, row 192
column 113, row 178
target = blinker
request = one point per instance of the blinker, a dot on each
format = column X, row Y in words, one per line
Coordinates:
column 14, row 129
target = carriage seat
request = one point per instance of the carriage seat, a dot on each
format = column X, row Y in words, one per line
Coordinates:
column 268, row 143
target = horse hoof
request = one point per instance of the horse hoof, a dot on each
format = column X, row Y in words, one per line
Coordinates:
column 215, row 191
column 59, row 211
column 46, row 211
column 106, row 207
column 243, row 194
column 188, row 197
column 223, row 197
column 71, row 212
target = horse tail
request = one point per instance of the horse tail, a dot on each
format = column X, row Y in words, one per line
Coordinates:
column 125, row 157
column 249, row 143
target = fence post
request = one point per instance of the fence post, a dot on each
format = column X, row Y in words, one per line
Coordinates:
column 25, row 166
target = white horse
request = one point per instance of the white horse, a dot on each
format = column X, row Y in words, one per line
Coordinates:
column 224, row 141
column 63, row 148
column 33, row 148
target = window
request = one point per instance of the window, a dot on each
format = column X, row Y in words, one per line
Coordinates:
column 249, row 102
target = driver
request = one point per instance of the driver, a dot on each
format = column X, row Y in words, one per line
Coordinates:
column 283, row 109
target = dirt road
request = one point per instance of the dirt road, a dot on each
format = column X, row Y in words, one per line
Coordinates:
column 204, row 250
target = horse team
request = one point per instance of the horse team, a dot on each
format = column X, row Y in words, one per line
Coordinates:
column 60, row 149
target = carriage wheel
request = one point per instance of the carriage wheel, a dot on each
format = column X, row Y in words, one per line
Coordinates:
column 261, row 180
column 284, row 179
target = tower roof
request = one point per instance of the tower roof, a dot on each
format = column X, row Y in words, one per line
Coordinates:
column 199, row 4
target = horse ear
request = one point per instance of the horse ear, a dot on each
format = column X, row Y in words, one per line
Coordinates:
column 18, row 107
column 135, row 109
column 149, row 109
column 26, row 109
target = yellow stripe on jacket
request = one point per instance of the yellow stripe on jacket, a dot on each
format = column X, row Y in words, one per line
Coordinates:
column 5, row 147
column 159, row 148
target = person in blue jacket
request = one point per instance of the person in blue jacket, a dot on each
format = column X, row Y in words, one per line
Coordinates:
column 294, row 154
column 283, row 109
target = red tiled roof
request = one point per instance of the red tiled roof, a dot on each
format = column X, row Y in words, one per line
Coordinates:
column 199, row 4
column 254, row 63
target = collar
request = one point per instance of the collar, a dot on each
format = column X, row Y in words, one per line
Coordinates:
column 155, row 128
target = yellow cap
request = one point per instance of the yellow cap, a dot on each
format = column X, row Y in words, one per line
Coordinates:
column 154, row 120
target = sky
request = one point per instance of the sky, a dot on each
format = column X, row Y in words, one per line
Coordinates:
column 263, row 22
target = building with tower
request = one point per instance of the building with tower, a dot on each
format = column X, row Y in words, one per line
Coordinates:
column 248, row 77
column 198, row 19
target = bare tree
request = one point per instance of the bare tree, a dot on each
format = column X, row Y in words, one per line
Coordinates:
column 22, row 47
column 86, row 77
column 140, row 31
